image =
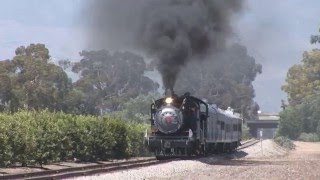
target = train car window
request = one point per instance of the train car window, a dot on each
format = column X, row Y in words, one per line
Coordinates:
column 203, row 108
column 222, row 125
column 235, row 128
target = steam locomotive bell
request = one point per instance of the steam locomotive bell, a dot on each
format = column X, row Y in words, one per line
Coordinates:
column 168, row 118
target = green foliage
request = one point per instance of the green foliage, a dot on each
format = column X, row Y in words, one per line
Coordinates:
column 302, row 118
column 303, row 80
column 5, row 150
column 245, row 132
column 309, row 137
column 41, row 137
column 315, row 38
column 106, row 81
column 284, row 142
column 138, row 109
column 31, row 81
column 109, row 80
column 290, row 123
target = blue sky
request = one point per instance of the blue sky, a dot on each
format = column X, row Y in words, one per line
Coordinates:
column 57, row 13
column 53, row 23
column 275, row 32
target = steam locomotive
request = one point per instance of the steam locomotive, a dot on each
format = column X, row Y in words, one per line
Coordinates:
column 188, row 126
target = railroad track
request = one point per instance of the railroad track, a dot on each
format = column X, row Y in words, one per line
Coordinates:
column 99, row 168
column 248, row 143
column 85, row 170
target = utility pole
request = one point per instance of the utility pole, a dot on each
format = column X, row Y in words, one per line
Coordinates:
column 261, row 135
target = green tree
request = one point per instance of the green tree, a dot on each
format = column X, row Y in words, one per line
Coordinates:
column 303, row 80
column 5, row 83
column 291, row 124
column 108, row 80
column 138, row 109
column 301, row 117
column 315, row 38
column 30, row 80
column 310, row 114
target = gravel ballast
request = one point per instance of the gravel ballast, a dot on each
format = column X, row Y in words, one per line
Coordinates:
column 246, row 164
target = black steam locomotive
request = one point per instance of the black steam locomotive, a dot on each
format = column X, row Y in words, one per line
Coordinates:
column 186, row 126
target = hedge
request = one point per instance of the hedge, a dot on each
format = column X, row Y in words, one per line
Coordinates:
column 37, row 138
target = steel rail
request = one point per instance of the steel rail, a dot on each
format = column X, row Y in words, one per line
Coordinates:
column 84, row 170
column 248, row 143
column 100, row 168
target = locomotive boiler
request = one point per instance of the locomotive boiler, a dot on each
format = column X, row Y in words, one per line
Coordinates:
column 186, row 126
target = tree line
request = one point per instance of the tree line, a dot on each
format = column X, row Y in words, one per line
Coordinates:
column 31, row 80
column 300, row 118
column 116, row 82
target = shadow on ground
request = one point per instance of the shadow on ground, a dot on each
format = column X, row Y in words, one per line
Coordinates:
column 234, row 159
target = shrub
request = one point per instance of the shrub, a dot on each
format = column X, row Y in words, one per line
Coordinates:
column 135, row 142
column 5, row 149
column 290, row 123
column 309, row 137
column 246, row 132
column 303, row 117
column 284, row 142
column 31, row 137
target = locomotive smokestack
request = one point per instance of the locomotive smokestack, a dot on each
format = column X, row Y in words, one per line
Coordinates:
column 173, row 32
column 169, row 92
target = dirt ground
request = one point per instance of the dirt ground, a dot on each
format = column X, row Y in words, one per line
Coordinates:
column 273, row 163
column 264, row 160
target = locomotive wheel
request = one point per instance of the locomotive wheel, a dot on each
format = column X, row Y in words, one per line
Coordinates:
column 200, row 149
column 234, row 146
column 203, row 149
column 228, row 147
column 219, row 148
column 224, row 148
column 215, row 149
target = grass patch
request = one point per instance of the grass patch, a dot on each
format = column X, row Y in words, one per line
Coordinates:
column 284, row 142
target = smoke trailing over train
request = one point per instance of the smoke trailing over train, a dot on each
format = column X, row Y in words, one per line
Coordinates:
column 173, row 32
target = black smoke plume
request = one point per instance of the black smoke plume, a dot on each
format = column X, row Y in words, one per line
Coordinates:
column 173, row 32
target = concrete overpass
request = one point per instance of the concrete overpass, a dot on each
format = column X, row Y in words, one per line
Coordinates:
column 267, row 122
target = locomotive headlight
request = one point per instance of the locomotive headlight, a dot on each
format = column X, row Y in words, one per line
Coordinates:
column 169, row 100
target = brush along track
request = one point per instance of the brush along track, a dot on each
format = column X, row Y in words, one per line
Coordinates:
column 85, row 170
